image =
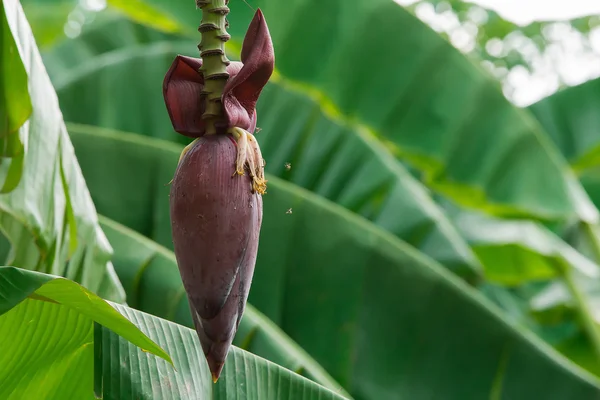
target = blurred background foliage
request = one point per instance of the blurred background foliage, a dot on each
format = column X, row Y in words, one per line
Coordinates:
column 385, row 187
column 531, row 58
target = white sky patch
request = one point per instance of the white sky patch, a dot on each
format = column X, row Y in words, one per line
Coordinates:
column 569, row 58
column 524, row 12
column 93, row 5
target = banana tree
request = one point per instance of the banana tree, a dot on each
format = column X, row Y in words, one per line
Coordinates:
column 318, row 152
column 64, row 340
column 335, row 141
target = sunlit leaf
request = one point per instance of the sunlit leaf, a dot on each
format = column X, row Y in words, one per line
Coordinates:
column 55, row 317
column 49, row 218
column 66, row 342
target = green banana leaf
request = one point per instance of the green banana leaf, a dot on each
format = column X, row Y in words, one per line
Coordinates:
column 590, row 179
column 557, row 305
column 48, row 322
column 571, row 119
column 15, row 107
column 373, row 63
column 514, row 252
column 547, row 308
column 245, row 376
column 49, row 218
column 69, row 343
column 525, row 253
column 383, row 319
column 146, row 268
column 299, row 141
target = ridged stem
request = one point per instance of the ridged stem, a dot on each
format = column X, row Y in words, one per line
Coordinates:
column 214, row 61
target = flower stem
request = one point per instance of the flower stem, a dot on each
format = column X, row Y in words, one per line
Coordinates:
column 214, row 61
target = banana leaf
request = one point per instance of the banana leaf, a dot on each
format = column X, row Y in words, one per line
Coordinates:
column 531, row 262
column 65, row 342
column 571, row 119
column 300, row 142
column 49, row 323
column 591, row 182
column 373, row 63
column 382, row 318
column 514, row 252
column 48, row 215
column 245, row 375
column 146, row 268
column 15, row 107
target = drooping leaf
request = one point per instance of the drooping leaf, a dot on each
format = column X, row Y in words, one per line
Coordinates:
column 344, row 164
column 571, row 122
column 49, row 218
column 63, row 343
column 244, row 376
column 147, row 269
column 300, row 142
column 432, row 106
column 46, row 325
column 517, row 251
column 390, row 320
column 50, row 353
column 15, row 107
column 126, row 373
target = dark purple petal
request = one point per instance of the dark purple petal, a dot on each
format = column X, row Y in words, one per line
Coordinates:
column 183, row 84
column 242, row 90
column 182, row 88
column 182, row 91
